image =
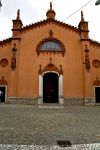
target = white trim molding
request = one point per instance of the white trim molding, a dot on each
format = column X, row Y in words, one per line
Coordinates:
column 61, row 98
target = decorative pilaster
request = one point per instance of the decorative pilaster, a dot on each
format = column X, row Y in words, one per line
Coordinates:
column 88, row 87
column 14, row 55
column 84, row 37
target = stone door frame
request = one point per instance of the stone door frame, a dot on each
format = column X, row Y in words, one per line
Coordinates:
column 60, row 90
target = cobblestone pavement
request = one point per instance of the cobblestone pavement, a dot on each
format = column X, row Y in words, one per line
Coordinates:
column 31, row 125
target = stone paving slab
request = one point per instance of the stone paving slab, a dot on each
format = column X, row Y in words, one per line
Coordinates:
column 95, row 146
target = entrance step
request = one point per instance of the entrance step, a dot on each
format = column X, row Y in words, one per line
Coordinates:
column 51, row 105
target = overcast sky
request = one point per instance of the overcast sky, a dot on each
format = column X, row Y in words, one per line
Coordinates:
column 35, row 10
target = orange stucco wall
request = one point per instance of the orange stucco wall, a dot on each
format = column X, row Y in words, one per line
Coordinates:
column 29, row 61
column 24, row 80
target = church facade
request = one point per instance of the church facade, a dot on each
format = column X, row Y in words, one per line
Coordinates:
column 50, row 62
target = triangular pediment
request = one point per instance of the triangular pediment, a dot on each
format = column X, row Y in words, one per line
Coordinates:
column 50, row 21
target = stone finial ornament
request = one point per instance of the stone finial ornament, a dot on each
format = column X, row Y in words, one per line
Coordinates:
column 50, row 13
column 50, row 33
column 50, row 5
column 82, row 16
column 18, row 14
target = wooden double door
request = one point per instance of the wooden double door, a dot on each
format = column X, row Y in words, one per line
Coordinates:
column 50, row 88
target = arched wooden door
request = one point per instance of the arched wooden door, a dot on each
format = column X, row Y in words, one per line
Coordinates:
column 50, row 88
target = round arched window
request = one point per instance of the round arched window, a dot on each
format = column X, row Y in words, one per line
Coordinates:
column 50, row 45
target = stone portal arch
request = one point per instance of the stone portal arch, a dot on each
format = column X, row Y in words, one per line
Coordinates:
column 60, row 87
column 51, row 71
column 50, row 87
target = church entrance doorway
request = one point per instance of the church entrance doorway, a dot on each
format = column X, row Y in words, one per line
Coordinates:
column 2, row 93
column 50, row 88
column 97, row 94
